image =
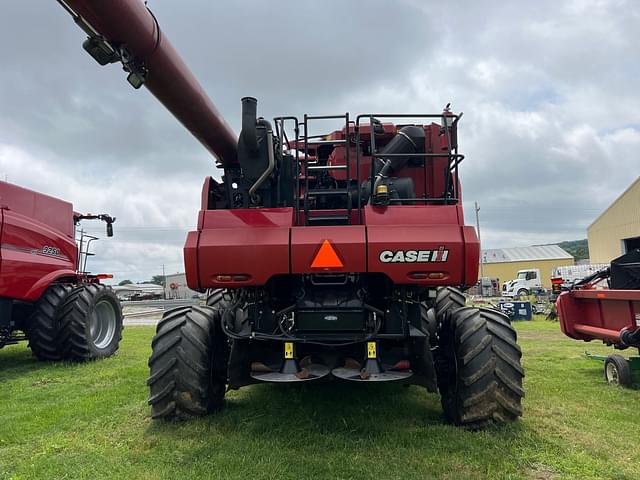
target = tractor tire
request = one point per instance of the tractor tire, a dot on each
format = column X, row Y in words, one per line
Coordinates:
column 215, row 298
column 617, row 371
column 188, row 364
column 448, row 298
column 483, row 384
column 90, row 323
column 43, row 327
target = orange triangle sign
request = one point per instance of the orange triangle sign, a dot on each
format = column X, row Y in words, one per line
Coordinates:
column 326, row 257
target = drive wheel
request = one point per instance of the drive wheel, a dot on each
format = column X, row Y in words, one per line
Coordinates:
column 188, row 364
column 448, row 298
column 216, row 299
column 43, row 327
column 617, row 371
column 483, row 382
column 91, row 323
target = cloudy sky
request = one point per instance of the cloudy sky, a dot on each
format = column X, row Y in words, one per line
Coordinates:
column 549, row 89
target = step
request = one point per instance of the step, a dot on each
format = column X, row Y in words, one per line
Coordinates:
column 327, row 142
column 332, row 191
column 326, row 167
column 333, row 219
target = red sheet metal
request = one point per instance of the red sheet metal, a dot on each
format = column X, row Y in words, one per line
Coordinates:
column 598, row 314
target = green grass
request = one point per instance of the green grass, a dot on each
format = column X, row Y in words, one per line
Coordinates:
column 92, row 421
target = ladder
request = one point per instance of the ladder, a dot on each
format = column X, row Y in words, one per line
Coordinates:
column 311, row 196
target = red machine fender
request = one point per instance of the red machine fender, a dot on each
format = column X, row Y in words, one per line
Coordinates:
column 36, row 291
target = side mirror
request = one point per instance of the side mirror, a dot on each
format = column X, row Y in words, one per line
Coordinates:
column 109, row 230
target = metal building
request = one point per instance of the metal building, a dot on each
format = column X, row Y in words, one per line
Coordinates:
column 617, row 229
column 504, row 263
column 176, row 287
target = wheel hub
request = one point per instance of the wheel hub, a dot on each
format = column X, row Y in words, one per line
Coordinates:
column 612, row 374
column 102, row 324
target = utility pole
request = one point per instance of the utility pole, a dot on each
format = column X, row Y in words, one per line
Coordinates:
column 164, row 284
column 477, row 208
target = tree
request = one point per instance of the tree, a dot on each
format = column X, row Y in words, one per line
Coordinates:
column 125, row 282
column 157, row 279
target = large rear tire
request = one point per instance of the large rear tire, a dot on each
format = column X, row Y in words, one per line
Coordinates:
column 188, row 371
column 448, row 298
column 43, row 327
column 91, row 323
column 215, row 298
column 483, row 384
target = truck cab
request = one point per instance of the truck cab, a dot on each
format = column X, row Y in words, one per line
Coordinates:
column 523, row 284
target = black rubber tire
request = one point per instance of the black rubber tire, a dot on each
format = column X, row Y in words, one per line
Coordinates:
column 76, row 339
column 43, row 327
column 522, row 293
column 448, row 298
column 215, row 298
column 188, row 371
column 483, row 384
column 621, row 374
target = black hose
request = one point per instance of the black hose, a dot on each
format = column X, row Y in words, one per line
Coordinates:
column 630, row 338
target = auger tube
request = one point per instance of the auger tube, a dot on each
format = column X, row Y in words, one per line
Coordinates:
column 130, row 28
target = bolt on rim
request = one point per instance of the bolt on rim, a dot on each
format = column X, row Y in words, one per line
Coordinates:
column 612, row 374
column 102, row 324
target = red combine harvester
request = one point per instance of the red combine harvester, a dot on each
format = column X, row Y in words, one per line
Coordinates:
column 45, row 291
column 606, row 306
column 342, row 254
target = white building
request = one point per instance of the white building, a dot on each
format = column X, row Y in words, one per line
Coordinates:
column 176, row 287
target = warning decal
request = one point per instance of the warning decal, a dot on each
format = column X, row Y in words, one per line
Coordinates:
column 326, row 257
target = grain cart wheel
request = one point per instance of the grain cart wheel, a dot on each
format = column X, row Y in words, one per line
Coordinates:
column 43, row 327
column 91, row 323
column 188, row 370
column 483, row 384
column 617, row 370
column 448, row 298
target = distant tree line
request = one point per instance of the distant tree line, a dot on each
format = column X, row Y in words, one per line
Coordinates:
column 156, row 280
column 578, row 248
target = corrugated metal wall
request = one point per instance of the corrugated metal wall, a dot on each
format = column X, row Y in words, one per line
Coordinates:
column 621, row 220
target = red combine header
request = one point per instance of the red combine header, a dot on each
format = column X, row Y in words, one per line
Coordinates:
column 606, row 306
column 342, row 254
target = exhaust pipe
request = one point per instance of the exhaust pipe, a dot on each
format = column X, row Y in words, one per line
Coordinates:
column 248, row 135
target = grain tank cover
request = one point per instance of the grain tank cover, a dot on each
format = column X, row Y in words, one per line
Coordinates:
column 53, row 212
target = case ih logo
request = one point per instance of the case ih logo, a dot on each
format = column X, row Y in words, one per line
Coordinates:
column 414, row 256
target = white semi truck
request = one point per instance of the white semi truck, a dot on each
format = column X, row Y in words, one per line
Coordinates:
column 530, row 279
column 523, row 284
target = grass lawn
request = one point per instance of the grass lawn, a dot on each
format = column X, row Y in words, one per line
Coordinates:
column 92, row 421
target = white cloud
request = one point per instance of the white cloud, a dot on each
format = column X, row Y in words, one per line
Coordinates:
column 551, row 128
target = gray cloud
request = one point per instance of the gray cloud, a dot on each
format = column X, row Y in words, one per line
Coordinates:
column 550, row 132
